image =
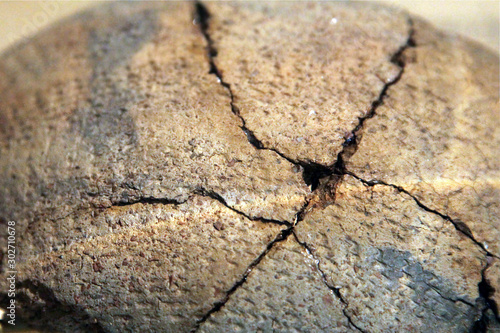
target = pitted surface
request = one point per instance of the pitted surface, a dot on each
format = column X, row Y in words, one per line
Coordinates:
column 157, row 158
column 436, row 134
column 161, row 261
column 393, row 262
column 284, row 293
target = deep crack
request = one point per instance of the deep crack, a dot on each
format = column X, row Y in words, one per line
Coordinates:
column 336, row 291
column 202, row 17
column 203, row 193
column 150, row 201
column 282, row 236
column 312, row 172
column 459, row 225
column 216, row 196
column 352, row 141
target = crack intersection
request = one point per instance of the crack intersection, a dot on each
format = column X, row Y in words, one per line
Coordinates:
column 335, row 291
column 311, row 172
column 282, row 236
column 314, row 174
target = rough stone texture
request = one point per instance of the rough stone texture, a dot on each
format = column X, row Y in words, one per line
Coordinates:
column 284, row 293
column 165, row 270
column 492, row 276
column 302, row 95
column 437, row 133
column 141, row 204
column 139, row 117
column 399, row 267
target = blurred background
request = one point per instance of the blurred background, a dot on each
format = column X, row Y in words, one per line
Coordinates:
column 478, row 20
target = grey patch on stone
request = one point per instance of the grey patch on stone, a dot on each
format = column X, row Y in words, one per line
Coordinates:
column 106, row 115
column 431, row 296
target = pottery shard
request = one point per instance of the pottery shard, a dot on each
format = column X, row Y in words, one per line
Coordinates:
column 436, row 135
column 397, row 266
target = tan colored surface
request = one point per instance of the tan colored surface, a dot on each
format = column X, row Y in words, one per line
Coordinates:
column 439, row 133
column 176, row 259
column 140, row 202
column 288, row 89
column 102, row 129
column 393, row 262
column 477, row 19
column 285, row 293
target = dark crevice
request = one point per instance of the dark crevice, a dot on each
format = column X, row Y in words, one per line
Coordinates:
column 202, row 17
column 282, row 236
column 216, row 196
column 352, row 141
column 312, row 172
column 201, row 192
column 459, row 225
column 490, row 310
column 336, row 291
column 149, row 201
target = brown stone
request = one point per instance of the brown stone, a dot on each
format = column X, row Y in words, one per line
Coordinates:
column 175, row 167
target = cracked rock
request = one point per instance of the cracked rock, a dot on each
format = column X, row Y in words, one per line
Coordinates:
column 284, row 293
column 397, row 266
column 436, row 135
column 164, row 271
column 129, row 113
column 302, row 95
column 179, row 166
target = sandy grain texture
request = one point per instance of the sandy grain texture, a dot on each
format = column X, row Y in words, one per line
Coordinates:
column 293, row 166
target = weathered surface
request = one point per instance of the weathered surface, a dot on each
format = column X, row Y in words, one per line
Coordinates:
column 166, row 270
column 141, row 203
column 284, row 293
column 492, row 277
column 397, row 266
column 437, row 133
column 140, row 117
column 303, row 94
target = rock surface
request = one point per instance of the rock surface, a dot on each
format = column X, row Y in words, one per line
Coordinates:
column 284, row 293
column 235, row 166
column 393, row 262
column 439, row 129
